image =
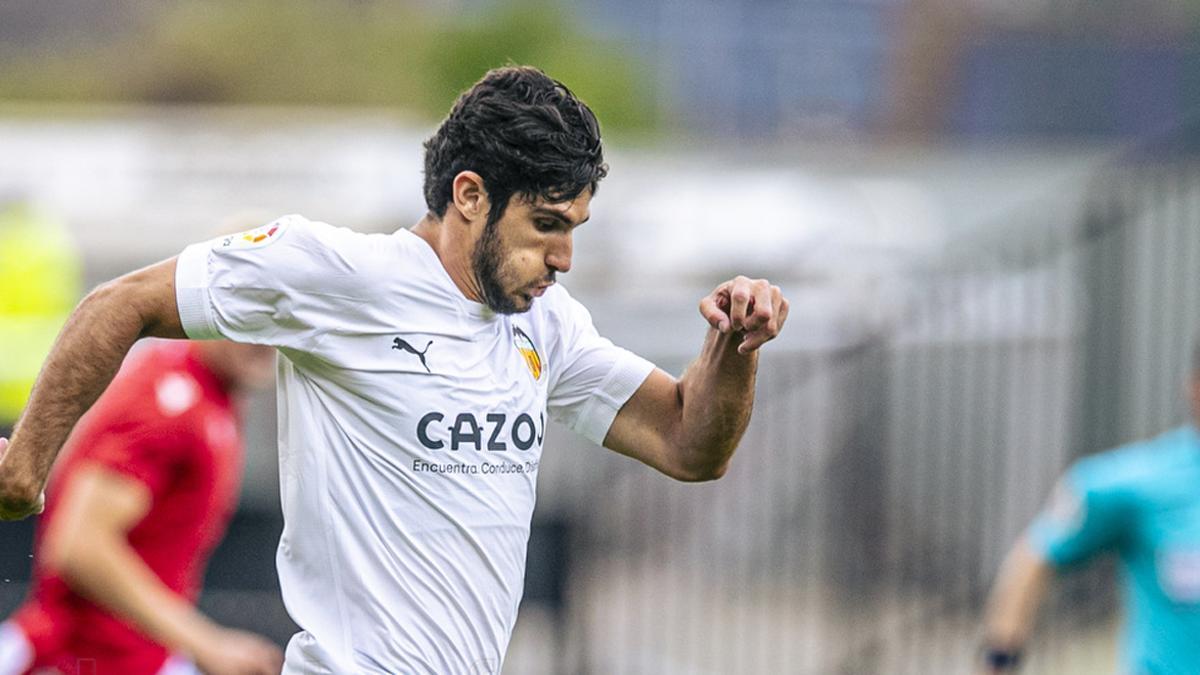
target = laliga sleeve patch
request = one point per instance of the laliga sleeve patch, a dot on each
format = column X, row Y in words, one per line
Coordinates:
column 1067, row 510
column 256, row 238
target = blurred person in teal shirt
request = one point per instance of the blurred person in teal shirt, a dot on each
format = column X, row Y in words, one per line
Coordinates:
column 39, row 285
column 1140, row 503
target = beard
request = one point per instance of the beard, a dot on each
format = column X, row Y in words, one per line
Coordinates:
column 488, row 260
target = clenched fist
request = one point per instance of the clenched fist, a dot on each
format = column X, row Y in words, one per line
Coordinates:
column 753, row 307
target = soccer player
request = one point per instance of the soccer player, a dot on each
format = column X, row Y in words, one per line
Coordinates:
column 1140, row 503
column 141, row 497
column 417, row 371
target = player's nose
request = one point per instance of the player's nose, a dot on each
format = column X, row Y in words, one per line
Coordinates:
column 558, row 256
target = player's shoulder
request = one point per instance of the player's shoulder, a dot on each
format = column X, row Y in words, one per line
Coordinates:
column 1143, row 466
column 343, row 248
column 307, row 255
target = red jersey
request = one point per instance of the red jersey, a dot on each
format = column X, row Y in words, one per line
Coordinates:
column 167, row 422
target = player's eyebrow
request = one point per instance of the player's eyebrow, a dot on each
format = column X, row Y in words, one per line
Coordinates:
column 558, row 215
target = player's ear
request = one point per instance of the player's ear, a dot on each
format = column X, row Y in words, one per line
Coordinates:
column 470, row 196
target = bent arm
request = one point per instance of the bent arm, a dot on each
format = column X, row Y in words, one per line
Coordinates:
column 87, row 545
column 1016, row 596
column 84, row 359
column 689, row 428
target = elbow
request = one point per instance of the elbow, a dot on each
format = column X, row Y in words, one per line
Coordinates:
column 57, row 554
column 74, row 564
column 700, row 472
column 65, row 556
column 104, row 294
column 119, row 301
column 692, row 461
column 701, row 476
column 116, row 300
column 107, row 300
column 57, row 561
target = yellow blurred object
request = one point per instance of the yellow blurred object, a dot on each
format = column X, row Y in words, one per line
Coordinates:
column 39, row 285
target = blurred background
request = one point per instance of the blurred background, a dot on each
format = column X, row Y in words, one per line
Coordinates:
column 982, row 210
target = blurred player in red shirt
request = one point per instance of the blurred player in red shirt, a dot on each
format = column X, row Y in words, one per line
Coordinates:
column 142, row 496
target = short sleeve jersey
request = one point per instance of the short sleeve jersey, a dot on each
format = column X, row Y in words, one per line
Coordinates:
column 166, row 422
column 411, row 423
column 1141, row 503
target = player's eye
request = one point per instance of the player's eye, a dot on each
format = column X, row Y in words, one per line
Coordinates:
column 547, row 225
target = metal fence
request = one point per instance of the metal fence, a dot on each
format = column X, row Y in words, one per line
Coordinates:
column 880, row 483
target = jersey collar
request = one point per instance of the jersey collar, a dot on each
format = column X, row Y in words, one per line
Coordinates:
column 476, row 310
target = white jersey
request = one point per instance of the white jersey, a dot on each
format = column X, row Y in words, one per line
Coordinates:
column 410, row 431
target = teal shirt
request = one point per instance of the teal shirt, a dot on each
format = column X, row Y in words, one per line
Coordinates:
column 1142, row 503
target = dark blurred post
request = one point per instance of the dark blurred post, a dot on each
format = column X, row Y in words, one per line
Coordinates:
column 1103, row 371
column 547, row 569
column 856, row 481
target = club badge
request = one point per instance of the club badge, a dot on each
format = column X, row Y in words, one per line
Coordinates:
column 532, row 359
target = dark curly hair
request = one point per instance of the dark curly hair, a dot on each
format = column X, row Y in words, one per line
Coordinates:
column 524, row 133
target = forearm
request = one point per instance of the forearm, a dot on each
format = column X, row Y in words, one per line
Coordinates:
column 109, row 573
column 717, row 396
column 689, row 428
column 83, row 360
column 1018, row 593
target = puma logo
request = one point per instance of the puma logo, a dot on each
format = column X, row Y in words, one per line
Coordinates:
column 400, row 344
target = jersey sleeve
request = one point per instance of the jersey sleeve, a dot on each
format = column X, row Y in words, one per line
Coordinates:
column 283, row 284
column 1090, row 513
column 595, row 379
